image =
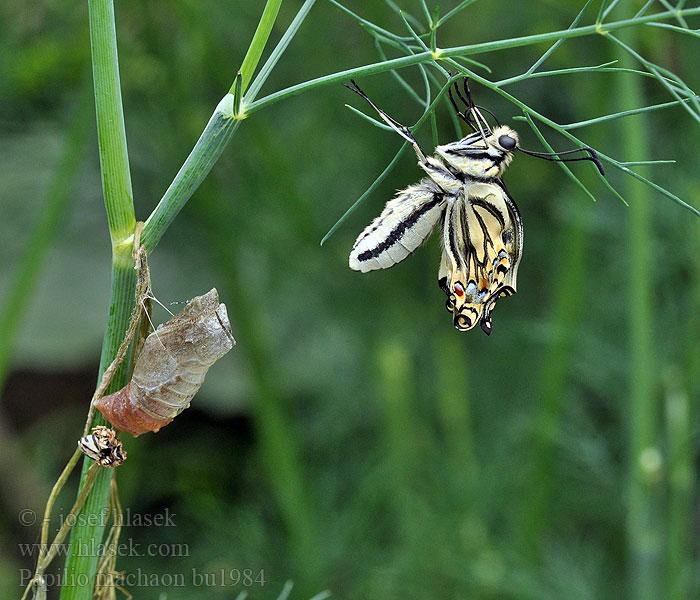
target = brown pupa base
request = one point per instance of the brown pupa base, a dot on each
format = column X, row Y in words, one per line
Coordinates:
column 123, row 413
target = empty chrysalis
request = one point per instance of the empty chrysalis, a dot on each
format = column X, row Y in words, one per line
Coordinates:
column 170, row 368
column 103, row 446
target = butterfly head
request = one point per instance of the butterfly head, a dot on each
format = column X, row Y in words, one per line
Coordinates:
column 481, row 156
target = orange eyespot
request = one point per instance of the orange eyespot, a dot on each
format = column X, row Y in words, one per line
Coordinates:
column 459, row 289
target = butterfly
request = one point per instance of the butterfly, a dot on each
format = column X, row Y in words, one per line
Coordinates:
column 463, row 192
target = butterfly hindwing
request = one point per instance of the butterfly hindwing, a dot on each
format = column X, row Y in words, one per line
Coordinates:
column 482, row 245
column 405, row 223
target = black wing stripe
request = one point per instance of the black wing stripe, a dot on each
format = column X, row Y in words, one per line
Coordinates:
column 400, row 230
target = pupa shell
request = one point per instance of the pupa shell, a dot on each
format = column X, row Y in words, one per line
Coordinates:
column 171, row 367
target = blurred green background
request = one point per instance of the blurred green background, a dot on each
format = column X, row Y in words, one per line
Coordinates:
column 353, row 440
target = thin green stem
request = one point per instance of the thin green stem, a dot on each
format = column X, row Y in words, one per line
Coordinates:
column 603, row 68
column 558, row 43
column 214, row 139
column 114, row 159
column 461, row 6
column 369, row 25
column 659, row 72
column 381, row 177
column 620, row 115
column 644, row 8
column 70, row 517
column 45, row 558
column 57, row 487
column 257, row 44
column 422, row 57
column 278, row 51
column 28, row 270
column 644, row 477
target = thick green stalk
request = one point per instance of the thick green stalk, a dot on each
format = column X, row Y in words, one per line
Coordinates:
column 114, row 158
column 81, row 562
column 644, row 516
column 395, row 393
column 679, row 441
column 278, row 442
column 567, row 299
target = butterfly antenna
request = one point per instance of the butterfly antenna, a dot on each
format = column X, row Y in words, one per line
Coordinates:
column 555, row 156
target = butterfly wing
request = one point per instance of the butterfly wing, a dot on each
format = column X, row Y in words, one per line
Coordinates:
column 482, row 246
column 405, row 223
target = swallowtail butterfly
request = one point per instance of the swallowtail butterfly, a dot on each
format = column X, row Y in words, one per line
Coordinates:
column 481, row 227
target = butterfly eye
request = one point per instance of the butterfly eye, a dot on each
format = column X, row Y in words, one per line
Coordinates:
column 459, row 289
column 506, row 142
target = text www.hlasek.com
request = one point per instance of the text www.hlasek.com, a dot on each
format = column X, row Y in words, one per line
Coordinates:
column 93, row 548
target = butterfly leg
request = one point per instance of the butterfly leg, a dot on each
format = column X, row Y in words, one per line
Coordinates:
column 402, row 130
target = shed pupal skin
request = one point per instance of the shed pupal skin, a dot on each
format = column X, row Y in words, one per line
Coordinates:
column 171, row 367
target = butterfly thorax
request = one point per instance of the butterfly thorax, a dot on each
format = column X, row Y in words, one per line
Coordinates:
column 480, row 157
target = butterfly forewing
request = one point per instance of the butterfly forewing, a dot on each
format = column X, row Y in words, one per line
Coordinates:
column 405, row 223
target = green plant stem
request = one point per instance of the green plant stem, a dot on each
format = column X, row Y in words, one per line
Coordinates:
column 46, row 557
column 643, row 412
column 215, row 137
column 70, row 517
column 114, row 158
column 679, row 441
column 421, row 57
column 58, row 486
column 620, row 115
column 280, row 448
column 279, row 49
column 567, row 299
column 55, row 204
column 81, row 562
column 396, row 389
column 257, row 45
column 221, row 126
